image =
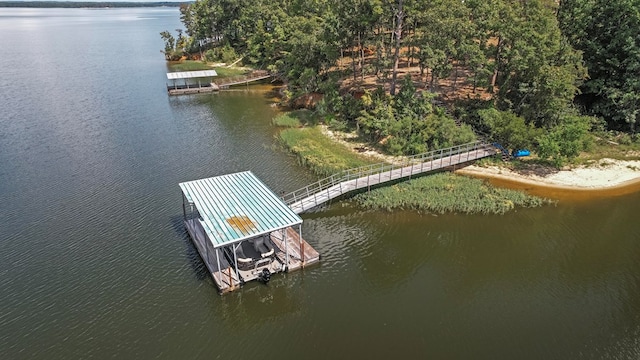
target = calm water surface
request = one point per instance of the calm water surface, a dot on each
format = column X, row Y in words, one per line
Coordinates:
column 94, row 262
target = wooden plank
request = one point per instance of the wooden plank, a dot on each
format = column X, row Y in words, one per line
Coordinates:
column 311, row 256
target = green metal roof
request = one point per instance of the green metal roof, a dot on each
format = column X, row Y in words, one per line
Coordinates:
column 236, row 207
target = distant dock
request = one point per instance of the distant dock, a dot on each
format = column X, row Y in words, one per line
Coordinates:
column 205, row 81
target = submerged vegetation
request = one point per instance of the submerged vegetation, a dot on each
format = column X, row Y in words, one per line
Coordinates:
column 446, row 192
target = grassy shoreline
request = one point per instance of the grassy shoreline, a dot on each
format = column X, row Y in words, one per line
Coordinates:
column 437, row 193
column 312, row 148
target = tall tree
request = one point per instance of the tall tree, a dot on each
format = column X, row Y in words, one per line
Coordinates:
column 399, row 17
column 607, row 32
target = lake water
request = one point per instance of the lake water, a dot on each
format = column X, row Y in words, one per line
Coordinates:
column 95, row 263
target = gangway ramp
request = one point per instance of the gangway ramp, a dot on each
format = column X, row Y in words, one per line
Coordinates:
column 350, row 180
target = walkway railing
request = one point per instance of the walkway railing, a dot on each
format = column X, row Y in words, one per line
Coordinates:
column 243, row 79
column 350, row 180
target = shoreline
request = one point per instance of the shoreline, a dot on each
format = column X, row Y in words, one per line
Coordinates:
column 601, row 175
column 604, row 174
column 605, row 178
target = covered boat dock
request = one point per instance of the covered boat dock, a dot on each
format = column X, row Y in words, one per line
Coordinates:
column 191, row 88
column 242, row 230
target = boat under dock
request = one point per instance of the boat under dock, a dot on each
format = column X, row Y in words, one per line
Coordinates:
column 242, row 230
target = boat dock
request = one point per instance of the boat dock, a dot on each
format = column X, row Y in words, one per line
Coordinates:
column 242, row 230
column 187, row 86
column 205, row 82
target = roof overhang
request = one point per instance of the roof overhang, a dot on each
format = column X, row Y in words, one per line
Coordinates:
column 191, row 74
column 236, row 207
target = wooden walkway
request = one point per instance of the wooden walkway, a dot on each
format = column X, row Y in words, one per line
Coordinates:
column 351, row 180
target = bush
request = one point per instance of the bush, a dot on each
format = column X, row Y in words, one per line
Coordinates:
column 564, row 142
column 507, row 128
column 409, row 122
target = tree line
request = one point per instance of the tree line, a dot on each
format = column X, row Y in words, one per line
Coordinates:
column 545, row 63
column 85, row 4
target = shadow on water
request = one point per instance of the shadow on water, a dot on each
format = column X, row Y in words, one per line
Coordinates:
column 198, row 267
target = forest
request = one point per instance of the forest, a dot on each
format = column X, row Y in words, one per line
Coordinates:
column 85, row 4
column 537, row 74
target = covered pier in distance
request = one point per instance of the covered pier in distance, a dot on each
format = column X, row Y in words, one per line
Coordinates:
column 242, row 230
column 178, row 87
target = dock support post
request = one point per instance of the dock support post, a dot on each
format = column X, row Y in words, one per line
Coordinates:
column 233, row 286
column 184, row 209
column 218, row 261
column 286, row 250
column 301, row 244
column 235, row 258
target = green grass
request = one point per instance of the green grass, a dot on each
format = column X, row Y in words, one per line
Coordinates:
column 189, row 65
column 286, row 120
column 229, row 72
column 447, row 192
column 295, row 119
column 322, row 155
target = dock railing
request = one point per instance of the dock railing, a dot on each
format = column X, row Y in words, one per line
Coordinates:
column 366, row 175
column 244, row 79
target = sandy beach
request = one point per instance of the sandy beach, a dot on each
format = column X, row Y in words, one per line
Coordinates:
column 601, row 174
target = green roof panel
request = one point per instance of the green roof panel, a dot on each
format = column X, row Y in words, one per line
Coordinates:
column 236, row 207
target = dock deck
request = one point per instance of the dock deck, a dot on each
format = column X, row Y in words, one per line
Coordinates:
column 297, row 246
column 192, row 89
column 228, row 279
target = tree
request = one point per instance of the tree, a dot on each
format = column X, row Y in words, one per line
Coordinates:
column 399, row 17
column 535, row 71
column 607, row 34
column 508, row 129
column 171, row 49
